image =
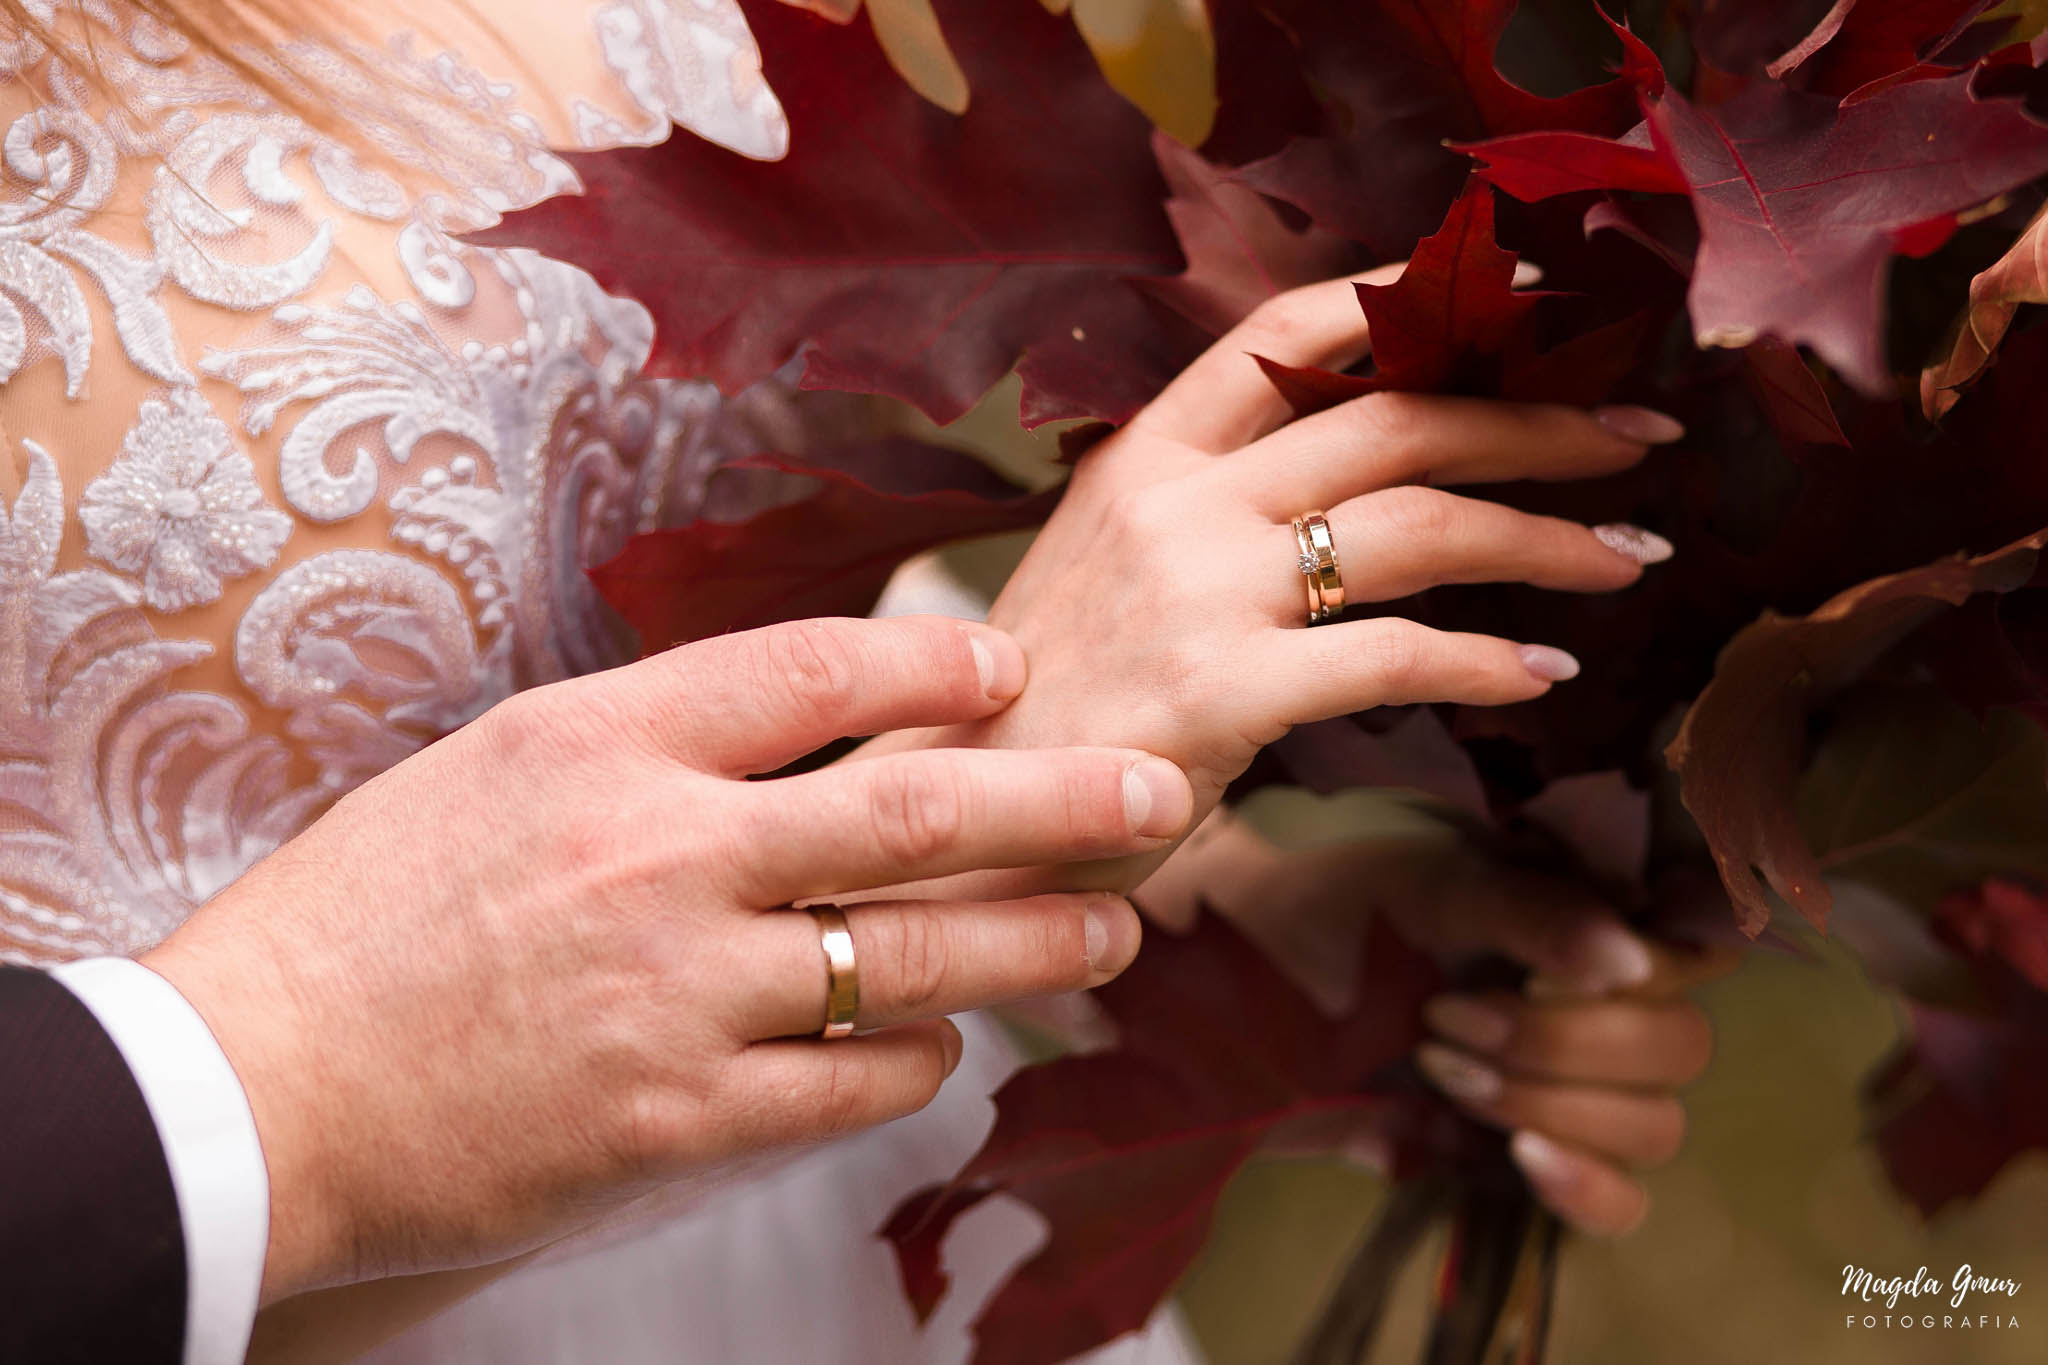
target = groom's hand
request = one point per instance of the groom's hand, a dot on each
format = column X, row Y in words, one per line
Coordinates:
column 550, row 961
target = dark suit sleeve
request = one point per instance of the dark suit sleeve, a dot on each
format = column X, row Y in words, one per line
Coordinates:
column 92, row 1256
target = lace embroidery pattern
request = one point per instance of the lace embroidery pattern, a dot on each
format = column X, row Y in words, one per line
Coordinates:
column 483, row 436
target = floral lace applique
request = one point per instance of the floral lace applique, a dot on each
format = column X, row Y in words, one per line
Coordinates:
column 481, row 435
column 181, row 506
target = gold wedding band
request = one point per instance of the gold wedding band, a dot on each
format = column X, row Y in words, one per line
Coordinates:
column 1317, row 562
column 842, row 976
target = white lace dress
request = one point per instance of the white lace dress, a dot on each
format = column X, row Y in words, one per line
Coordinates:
column 292, row 483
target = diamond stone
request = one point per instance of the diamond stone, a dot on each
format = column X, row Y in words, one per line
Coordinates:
column 1306, row 563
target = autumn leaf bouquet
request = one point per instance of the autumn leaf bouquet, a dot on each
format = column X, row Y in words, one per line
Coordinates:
column 1808, row 231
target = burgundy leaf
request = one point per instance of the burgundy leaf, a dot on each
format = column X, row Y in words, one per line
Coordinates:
column 1859, row 41
column 1802, row 204
column 1125, row 1152
column 1397, row 81
column 908, row 251
column 1740, row 749
column 863, row 511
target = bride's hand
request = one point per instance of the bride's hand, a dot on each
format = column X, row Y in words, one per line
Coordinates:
column 1584, row 1066
column 1162, row 607
column 547, row 963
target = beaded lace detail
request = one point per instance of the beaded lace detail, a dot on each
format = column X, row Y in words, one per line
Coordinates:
column 294, row 482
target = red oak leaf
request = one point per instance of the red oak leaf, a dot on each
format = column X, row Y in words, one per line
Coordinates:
column 1240, row 251
column 1741, row 747
column 1455, row 301
column 1859, row 41
column 1802, row 204
column 1396, row 81
column 861, row 511
column 906, row 250
column 1125, row 1152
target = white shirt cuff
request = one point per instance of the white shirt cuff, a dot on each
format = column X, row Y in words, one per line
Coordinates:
column 209, row 1140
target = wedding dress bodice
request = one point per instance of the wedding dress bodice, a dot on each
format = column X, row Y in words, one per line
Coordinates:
column 293, row 482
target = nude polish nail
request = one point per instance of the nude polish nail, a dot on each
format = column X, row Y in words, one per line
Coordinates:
column 1645, row 426
column 1543, row 1161
column 1548, row 663
column 1635, row 543
column 1457, row 1075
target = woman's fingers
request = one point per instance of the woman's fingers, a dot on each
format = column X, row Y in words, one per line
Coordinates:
column 789, row 1091
column 754, row 701
column 1626, row 1042
column 1348, row 666
column 1406, row 540
column 1579, row 1188
column 1224, row 399
column 905, row 817
column 1384, row 439
column 918, row 959
column 1637, row 1129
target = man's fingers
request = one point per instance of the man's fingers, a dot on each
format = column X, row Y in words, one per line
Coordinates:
column 920, row 959
column 905, row 817
column 1662, row 1043
column 1637, row 1129
column 791, row 1091
column 754, row 701
column 1579, row 1188
column 1384, row 439
column 1224, row 399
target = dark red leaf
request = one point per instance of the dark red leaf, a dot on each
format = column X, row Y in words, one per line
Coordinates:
column 1240, row 251
column 1396, row 81
column 1802, row 204
column 1859, row 41
column 1790, row 394
column 1125, row 1152
column 863, row 511
column 913, row 252
column 1542, row 165
column 2002, row 920
column 1741, row 747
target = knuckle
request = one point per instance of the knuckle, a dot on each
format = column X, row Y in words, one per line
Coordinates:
column 811, row 666
column 919, row 811
column 921, row 958
column 838, row 1103
column 1422, row 516
column 1282, row 318
column 1393, row 654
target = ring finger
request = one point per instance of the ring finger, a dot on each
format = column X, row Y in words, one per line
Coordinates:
column 920, row 959
column 1402, row 541
column 1637, row 1129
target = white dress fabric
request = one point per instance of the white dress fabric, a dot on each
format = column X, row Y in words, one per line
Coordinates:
column 293, row 483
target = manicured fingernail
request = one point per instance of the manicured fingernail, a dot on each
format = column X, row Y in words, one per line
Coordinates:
column 1543, row 1161
column 1527, row 273
column 1112, row 934
column 954, row 1044
column 999, row 662
column 1633, row 542
column 1615, row 959
column 1549, row 664
column 1474, row 1023
column 1457, row 1075
column 1644, row 425
column 1157, row 798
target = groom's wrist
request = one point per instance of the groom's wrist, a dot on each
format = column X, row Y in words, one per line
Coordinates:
column 306, row 1245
